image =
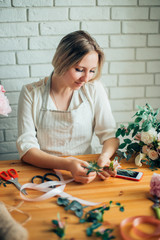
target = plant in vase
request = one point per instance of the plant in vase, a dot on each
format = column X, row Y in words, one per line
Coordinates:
column 141, row 138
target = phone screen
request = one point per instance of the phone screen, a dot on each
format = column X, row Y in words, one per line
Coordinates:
column 127, row 173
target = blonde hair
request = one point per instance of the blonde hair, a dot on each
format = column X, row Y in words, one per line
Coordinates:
column 72, row 48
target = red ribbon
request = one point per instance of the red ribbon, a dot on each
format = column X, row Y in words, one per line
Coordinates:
column 135, row 221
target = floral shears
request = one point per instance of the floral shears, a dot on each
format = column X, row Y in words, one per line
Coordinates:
column 11, row 175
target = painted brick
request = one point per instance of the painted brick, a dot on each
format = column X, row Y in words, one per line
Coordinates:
column 75, row 3
column 8, row 123
column 1, row 136
column 154, row 40
column 149, row 2
column 9, row 156
column 29, row 57
column 18, row 29
column 102, row 40
column 127, row 67
column 42, row 42
column 127, row 41
column 89, row 13
column 7, row 15
column 7, row 147
column 123, row 117
column 16, row 84
column 121, row 105
column 139, row 27
column 14, row 71
column 5, row 3
column 13, row 97
column 119, row 54
column 154, row 102
column 148, row 53
column 13, row 113
column 109, row 80
column 105, row 68
column 31, row 3
column 61, row 27
column 48, row 14
column 7, row 44
column 155, row 13
column 7, row 58
column 11, row 135
column 153, row 91
column 153, row 67
column 117, row 2
column 136, row 80
column 126, row 92
column 129, row 13
column 157, row 79
column 41, row 70
column 101, row 27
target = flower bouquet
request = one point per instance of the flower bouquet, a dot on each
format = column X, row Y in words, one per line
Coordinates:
column 4, row 103
column 141, row 138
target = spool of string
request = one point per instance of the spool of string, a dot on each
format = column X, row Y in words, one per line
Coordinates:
column 9, row 228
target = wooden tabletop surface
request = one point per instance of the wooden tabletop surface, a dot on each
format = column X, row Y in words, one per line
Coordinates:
column 131, row 194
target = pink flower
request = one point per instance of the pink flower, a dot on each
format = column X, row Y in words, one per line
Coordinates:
column 4, row 103
column 138, row 137
column 155, row 185
column 152, row 154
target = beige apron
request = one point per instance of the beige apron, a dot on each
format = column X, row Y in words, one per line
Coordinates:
column 65, row 132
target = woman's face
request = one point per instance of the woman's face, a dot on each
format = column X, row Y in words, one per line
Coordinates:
column 82, row 72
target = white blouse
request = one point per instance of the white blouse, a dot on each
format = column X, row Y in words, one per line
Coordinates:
column 42, row 126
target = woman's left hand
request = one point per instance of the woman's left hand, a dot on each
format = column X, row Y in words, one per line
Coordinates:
column 104, row 161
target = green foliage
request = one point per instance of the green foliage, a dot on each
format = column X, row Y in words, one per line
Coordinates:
column 2, row 182
column 93, row 167
column 95, row 216
column 145, row 119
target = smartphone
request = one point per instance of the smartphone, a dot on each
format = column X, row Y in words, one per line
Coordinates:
column 128, row 174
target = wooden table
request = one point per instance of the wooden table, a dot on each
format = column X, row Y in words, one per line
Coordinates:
column 131, row 194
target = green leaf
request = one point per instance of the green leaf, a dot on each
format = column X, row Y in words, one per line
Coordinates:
column 118, row 133
column 127, row 141
column 118, row 204
column 122, row 145
column 138, row 119
column 121, row 209
column 62, row 201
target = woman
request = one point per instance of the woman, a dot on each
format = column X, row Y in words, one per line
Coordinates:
column 58, row 115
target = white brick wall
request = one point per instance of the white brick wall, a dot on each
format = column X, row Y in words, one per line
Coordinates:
column 127, row 30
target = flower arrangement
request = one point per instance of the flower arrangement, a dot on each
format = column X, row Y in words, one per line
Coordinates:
column 4, row 103
column 141, row 138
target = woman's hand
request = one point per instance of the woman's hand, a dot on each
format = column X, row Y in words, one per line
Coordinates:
column 104, row 162
column 78, row 171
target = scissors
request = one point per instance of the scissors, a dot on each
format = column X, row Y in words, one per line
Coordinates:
column 45, row 178
column 11, row 175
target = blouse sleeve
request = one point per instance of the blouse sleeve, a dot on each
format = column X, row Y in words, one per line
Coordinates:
column 26, row 123
column 105, row 126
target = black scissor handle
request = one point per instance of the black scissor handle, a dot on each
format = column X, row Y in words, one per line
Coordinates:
column 45, row 178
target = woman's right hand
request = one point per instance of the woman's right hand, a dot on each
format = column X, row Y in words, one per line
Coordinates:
column 78, row 171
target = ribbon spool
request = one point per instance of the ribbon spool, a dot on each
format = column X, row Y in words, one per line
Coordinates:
column 135, row 222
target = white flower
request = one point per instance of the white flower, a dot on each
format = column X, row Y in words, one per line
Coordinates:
column 139, row 158
column 149, row 137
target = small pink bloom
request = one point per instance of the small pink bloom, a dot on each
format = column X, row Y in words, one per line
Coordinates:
column 155, row 185
column 2, row 89
column 138, row 137
column 152, row 154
